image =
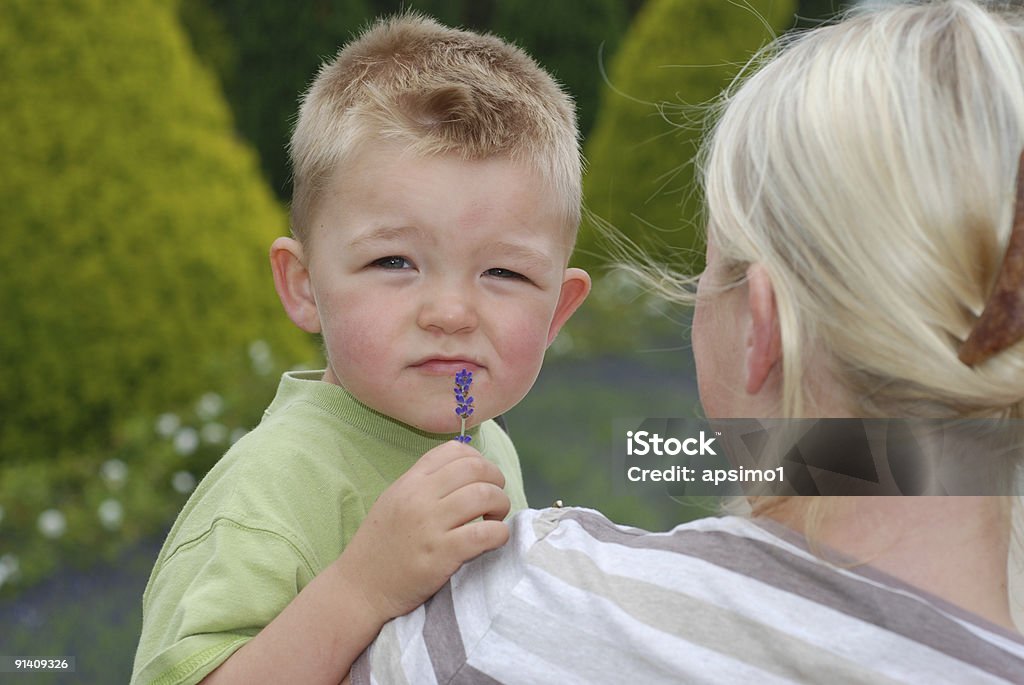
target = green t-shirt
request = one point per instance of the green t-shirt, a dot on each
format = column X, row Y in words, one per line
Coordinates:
column 277, row 509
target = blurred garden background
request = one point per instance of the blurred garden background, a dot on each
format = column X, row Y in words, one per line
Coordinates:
column 144, row 178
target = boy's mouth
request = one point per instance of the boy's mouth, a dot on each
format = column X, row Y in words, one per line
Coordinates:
column 445, row 366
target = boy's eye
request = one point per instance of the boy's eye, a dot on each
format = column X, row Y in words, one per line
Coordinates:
column 391, row 262
column 498, row 272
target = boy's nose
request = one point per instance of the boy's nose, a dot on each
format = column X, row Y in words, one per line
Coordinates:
column 447, row 311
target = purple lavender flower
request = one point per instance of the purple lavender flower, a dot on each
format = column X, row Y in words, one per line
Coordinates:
column 463, row 401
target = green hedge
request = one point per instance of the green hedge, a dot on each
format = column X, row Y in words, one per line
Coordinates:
column 267, row 53
column 136, row 226
column 569, row 39
column 90, row 505
column 676, row 58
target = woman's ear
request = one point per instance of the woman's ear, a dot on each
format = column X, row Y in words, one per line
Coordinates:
column 575, row 287
column 294, row 288
column 764, row 341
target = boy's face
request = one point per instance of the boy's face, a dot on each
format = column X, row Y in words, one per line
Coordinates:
column 419, row 267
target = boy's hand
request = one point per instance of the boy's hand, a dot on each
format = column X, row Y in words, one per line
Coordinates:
column 422, row 529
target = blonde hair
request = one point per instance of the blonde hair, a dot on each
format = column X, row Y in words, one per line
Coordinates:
column 870, row 167
column 434, row 90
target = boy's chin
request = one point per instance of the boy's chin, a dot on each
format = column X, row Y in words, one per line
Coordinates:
column 446, row 427
column 442, row 424
column 440, row 418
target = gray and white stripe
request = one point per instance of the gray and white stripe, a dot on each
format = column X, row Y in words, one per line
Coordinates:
column 575, row 598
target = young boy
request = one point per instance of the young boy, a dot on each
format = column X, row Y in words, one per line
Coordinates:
column 437, row 195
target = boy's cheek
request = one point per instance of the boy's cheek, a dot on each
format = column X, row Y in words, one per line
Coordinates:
column 356, row 349
column 523, row 358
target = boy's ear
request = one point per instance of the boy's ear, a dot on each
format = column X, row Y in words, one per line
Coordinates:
column 291, row 279
column 764, row 341
column 575, row 288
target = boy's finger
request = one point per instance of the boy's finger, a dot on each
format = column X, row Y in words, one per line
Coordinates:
column 463, row 471
column 476, row 538
column 471, row 502
column 440, row 456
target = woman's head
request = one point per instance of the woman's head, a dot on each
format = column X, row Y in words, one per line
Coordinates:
column 869, row 169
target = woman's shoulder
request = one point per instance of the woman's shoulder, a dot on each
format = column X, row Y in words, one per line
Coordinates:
column 712, row 536
column 756, row 582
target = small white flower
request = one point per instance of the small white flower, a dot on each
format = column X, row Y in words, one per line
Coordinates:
column 111, row 514
column 184, row 482
column 656, row 306
column 238, row 434
column 209, row 406
column 619, row 286
column 167, row 424
column 562, row 345
column 214, row 433
column 259, row 349
column 52, row 523
column 8, row 568
column 261, row 358
column 114, row 473
column 186, row 440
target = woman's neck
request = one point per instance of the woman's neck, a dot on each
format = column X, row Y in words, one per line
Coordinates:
column 953, row 547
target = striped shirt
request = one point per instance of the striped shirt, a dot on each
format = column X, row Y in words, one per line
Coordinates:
column 574, row 598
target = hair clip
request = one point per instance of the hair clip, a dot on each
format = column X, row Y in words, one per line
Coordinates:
column 1001, row 323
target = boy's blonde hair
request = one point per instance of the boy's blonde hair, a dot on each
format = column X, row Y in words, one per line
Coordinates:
column 434, row 90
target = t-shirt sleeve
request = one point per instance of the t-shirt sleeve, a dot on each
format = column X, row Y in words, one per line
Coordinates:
column 432, row 643
column 500, row 450
column 210, row 597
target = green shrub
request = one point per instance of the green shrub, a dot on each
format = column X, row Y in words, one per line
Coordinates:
column 567, row 38
column 136, row 226
column 677, row 56
column 266, row 54
column 675, row 59
column 86, row 506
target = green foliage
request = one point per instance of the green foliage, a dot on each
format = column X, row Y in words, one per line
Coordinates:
column 568, row 39
column 87, row 506
column 470, row 14
column 136, row 226
column 677, row 57
column 812, row 13
column 266, row 54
